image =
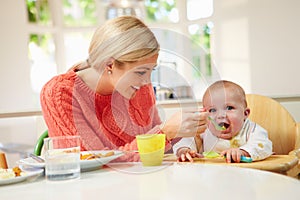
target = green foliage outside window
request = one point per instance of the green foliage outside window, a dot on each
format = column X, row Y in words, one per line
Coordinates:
column 202, row 39
column 85, row 17
column 38, row 12
column 83, row 13
column 158, row 10
column 76, row 13
column 40, row 40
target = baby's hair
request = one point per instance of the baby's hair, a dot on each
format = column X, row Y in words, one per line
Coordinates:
column 238, row 90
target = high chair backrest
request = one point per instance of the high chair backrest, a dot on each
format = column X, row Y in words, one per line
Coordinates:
column 282, row 128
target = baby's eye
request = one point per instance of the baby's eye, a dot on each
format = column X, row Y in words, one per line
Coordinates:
column 229, row 108
column 212, row 110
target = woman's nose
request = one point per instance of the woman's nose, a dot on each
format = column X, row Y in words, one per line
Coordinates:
column 146, row 80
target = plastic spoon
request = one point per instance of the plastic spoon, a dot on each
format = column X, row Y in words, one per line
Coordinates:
column 246, row 159
column 217, row 126
column 36, row 158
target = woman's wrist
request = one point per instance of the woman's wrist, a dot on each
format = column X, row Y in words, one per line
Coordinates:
column 164, row 130
column 161, row 131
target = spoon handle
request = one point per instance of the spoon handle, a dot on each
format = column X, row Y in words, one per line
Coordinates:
column 216, row 124
column 246, row 159
column 36, row 158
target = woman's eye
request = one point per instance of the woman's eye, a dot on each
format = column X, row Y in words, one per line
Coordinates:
column 141, row 73
column 229, row 108
column 212, row 110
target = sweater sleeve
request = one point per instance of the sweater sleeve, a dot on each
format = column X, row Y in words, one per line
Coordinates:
column 62, row 111
column 56, row 103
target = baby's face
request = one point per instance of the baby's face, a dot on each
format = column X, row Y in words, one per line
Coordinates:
column 228, row 109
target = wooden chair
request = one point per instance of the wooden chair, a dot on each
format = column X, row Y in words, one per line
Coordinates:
column 283, row 130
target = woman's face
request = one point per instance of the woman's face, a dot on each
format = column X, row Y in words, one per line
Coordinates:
column 130, row 77
column 227, row 108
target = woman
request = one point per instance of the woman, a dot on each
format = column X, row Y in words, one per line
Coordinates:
column 108, row 99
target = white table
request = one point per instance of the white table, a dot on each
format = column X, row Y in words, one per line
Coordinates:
column 170, row 181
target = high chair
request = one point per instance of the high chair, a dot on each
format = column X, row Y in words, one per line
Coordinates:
column 283, row 130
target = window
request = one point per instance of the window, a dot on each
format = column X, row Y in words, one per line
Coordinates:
column 114, row 8
column 41, row 55
column 199, row 9
column 60, row 32
column 38, row 12
column 79, row 13
column 185, row 53
column 41, row 47
column 161, row 11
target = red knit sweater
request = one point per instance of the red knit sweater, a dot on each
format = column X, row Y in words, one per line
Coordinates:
column 70, row 107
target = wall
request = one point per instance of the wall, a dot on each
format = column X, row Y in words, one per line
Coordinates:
column 256, row 44
column 16, row 92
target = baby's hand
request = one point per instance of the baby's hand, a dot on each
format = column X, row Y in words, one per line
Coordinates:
column 234, row 155
column 186, row 154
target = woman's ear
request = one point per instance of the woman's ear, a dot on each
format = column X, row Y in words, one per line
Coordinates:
column 109, row 63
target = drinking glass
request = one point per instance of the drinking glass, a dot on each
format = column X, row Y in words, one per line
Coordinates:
column 62, row 157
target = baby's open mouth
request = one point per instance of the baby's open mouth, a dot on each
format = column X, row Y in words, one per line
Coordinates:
column 223, row 124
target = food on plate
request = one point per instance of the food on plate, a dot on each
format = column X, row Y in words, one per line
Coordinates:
column 90, row 156
column 17, row 171
column 3, row 163
column 11, row 173
column 71, row 150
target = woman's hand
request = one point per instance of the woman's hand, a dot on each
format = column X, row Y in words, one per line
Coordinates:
column 186, row 154
column 129, row 146
column 234, row 154
column 185, row 124
column 130, row 152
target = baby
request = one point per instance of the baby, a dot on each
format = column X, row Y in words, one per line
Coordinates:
column 226, row 104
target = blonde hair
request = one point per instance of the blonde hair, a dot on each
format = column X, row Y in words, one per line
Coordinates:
column 125, row 39
column 238, row 90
